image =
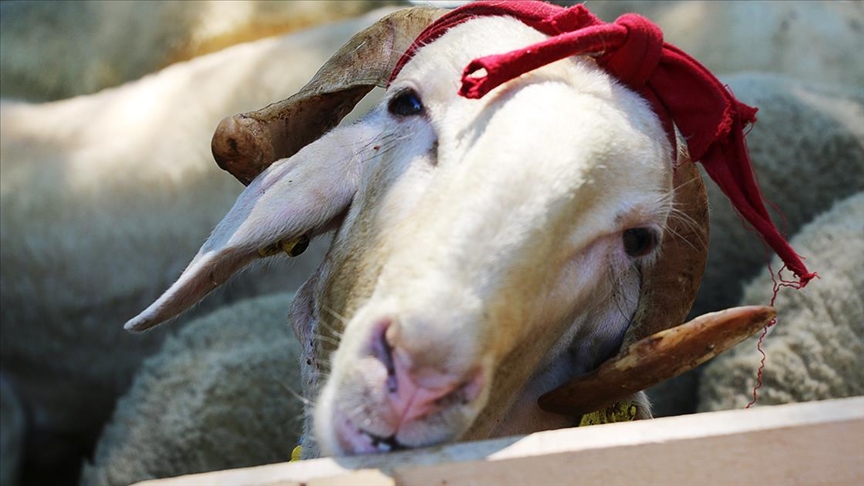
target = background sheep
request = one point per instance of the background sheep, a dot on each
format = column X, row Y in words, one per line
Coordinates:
column 816, row 350
column 814, row 41
column 808, row 151
column 103, row 198
column 220, row 394
column 12, row 423
column 126, row 40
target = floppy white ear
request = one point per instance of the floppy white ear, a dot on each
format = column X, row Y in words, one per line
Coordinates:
column 294, row 198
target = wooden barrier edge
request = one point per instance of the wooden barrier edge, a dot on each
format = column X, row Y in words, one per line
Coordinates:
column 803, row 443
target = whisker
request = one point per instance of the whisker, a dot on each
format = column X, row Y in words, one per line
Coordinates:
column 298, row 419
column 337, row 333
column 289, row 389
column 678, row 236
column 690, row 224
column 325, row 339
column 335, row 314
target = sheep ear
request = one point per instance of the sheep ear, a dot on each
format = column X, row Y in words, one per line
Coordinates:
column 246, row 144
column 293, row 199
column 284, row 203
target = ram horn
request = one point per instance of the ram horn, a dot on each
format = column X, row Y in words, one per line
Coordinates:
column 246, row 144
column 657, row 358
column 671, row 282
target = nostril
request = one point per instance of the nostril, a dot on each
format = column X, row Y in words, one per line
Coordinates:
column 383, row 351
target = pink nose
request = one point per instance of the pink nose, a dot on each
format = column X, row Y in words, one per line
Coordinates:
column 418, row 391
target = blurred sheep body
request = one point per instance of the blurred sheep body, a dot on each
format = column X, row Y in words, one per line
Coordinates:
column 102, row 198
column 816, row 349
column 817, row 41
column 805, row 39
column 813, row 41
column 220, row 394
column 127, row 40
column 808, row 151
column 13, row 424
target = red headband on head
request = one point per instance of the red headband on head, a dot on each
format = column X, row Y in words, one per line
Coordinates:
column 681, row 91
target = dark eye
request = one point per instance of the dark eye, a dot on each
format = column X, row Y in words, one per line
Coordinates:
column 405, row 103
column 639, row 242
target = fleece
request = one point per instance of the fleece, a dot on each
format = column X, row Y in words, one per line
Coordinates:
column 222, row 393
column 816, row 349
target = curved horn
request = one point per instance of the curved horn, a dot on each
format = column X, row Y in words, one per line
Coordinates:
column 670, row 284
column 655, row 359
column 246, row 144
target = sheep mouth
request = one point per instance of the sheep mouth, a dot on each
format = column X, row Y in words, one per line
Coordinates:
column 383, row 444
column 354, row 440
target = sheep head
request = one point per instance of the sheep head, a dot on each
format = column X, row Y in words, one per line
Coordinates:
column 485, row 250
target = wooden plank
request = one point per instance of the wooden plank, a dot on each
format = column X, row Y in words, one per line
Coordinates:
column 806, row 443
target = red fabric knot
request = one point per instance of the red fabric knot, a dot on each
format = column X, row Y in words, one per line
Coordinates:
column 644, row 43
column 570, row 19
column 682, row 92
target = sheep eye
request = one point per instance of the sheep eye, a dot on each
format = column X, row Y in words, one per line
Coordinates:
column 639, row 242
column 405, row 103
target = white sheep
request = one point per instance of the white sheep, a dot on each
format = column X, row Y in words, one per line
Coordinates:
column 808, row 150
column 779, row 99
column 124, row 41
column 218, row 395
column 101, row 197
column 816, row 349
column 486, row 249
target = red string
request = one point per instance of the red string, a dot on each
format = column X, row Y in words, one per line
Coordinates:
column 765, row 330
column 761, row 363
column 778, row 282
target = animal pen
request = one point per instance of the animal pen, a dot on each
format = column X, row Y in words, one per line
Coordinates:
column 802, row 443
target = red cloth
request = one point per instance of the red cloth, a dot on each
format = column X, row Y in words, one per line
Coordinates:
column 681, row 90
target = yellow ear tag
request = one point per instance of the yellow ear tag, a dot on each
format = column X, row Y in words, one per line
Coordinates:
column 297, row 454
column 292, row 247
column 617, row 412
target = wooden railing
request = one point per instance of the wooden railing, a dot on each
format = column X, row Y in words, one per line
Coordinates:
column 805, row 443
